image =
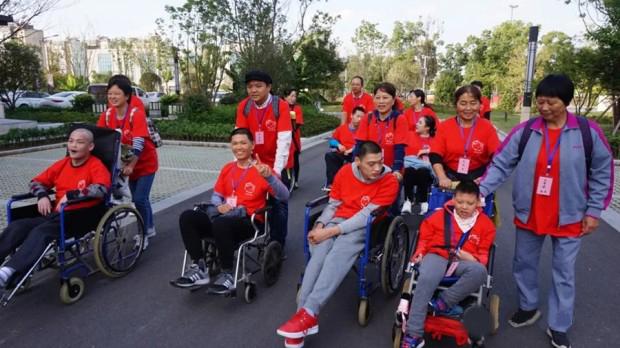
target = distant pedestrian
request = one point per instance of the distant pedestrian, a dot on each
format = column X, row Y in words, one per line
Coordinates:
column 357, row 97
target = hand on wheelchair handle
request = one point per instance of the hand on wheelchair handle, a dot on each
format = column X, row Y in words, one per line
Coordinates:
column 445, row 183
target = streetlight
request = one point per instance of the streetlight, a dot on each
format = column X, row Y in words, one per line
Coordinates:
column 50, row 77
column 512, row 9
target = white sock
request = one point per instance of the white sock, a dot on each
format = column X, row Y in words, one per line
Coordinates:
column 5, row 274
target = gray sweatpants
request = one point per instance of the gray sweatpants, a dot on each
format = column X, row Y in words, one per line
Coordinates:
column 329, row 263
column 432, row 269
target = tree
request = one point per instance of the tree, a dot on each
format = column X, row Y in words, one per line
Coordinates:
column 70, row 82
column 22, row 12
column 100, row 77
column 150, row 81
column 445, row 85
column 20, row 69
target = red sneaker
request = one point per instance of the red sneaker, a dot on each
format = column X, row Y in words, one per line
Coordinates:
column 300, row 325
column 294, row 342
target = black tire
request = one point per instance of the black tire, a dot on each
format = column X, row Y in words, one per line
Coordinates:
column 249, row 292
column 271, row 263
column 395, row 255
column 120, row 230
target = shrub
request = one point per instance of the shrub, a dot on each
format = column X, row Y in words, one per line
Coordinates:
column 230, row 99
column 16, row 138
column 196, row 103
column 166, row 101
column 53, row 115
column 83, row 103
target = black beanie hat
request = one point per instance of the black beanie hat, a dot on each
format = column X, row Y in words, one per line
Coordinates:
column 257, row 75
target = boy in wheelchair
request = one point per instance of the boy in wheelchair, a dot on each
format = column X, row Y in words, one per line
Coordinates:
column 338, row 236
column 240, row 190
column 454, row 245
column 76, row 176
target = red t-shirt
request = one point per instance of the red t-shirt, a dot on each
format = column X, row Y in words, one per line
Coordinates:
column 249, row 186
column 147, row 162
column 415, row 143
column 265, row 121
column 63, row 177
column 350, row 102
column 387, row 133
column 485, row 107
column 399, row 105
column 345, row 136
column 355, row 194
column 413, row 116
column 478, row 243
column 545, row 211
column 449, row 144
column 296, row 141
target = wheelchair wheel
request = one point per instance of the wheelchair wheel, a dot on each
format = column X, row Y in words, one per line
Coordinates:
column 271, row 263
column 494, row 310
column 397, row 336
column 71, row 290
column 395, row 253
column 119, row 241
column 363, row 312
column 249, row 292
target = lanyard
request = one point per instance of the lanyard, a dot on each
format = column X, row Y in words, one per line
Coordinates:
column 260, row 115
column 382, row 128
column 551, row 153
column 124, row 118
column 236, row 184
column 471, row 133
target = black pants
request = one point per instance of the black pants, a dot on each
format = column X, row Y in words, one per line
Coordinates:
column 333, row 162
column 422, row 179
column 30, row 236
column 227, row 232
column 296, row 165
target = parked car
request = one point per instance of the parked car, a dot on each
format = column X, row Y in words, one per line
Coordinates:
column 99, row 92
column 154, row 96
column 220, row 94
column 61, row 100
column 26, row 99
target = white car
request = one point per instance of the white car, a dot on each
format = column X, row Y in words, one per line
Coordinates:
column 28, row 99
column 154, row 96
column 61, row 100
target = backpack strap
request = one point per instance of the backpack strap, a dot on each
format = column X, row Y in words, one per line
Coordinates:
column 275, row 105
column 588, row 145
column 447, row 228
column 525, row 136
column 247, row 107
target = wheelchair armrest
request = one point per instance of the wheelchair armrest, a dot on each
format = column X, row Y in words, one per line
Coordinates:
column 80, row 200
column 262, row 210
column 22, row 196
column 317, row 201
column 379, row 211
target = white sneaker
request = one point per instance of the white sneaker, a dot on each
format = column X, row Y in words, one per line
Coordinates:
column 423, row 208
column 150, row 233
column 406, row 207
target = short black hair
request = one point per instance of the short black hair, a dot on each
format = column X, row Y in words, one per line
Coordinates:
column 368, row 147
column 257, row 75
column 358, row 77
column 470, row 89
column 420, row 94
column 288, row 92
column 431, row 124
column 122, row 82
column 241, row 131
column 358, row 108
column 558, row 86
column 477, row 83
column 467, row 186
column 387, row 88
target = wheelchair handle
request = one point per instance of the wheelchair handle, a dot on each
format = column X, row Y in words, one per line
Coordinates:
column 22, row 196
column 317, row 201
column 263, row 209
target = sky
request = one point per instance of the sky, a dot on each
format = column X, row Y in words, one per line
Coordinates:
column 457, row 19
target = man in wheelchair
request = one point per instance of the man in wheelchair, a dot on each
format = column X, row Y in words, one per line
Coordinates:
column 76, row 176
column 453, row 245
column 240, row 190
column 338, row 236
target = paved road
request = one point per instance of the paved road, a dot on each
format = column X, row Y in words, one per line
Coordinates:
column 142, row 310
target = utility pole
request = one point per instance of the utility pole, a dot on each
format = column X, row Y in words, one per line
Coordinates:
column 512, row 9
column 529, row 73
column 424, row 72
column 177, row 82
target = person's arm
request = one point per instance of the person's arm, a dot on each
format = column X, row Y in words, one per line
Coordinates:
column 486, row 241
column 358, row 220
column 328, row 212
column 440, row 173
column 91, row 191
column 217, row 199
column 600, row 181
column 280, row 192
column 504, row 162
column 282, row 150
column 424, row 237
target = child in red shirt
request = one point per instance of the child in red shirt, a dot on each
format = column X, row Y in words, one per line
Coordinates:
column 75, row 176
column 471, row 235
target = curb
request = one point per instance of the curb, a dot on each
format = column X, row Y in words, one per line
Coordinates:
column 32, row 149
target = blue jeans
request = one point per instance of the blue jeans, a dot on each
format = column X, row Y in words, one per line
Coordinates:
column 140, row 192
column 525, row 270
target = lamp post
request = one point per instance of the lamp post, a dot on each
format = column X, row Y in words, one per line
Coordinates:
column 512, row 9
column 46, row 62
column 177, row 83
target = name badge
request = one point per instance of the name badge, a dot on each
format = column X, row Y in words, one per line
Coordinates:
column 544, row 186
column 382, row 153
column 463, row 167
column 451, row 268
column 232, row 201
column 425, row 158
column 259, row 138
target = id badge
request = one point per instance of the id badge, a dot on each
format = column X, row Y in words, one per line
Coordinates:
column 451, row 268
column 232, row 201
column 382, row 153
column 259, row 137
column 425, row 158
column 463, row 167
column 544, row 186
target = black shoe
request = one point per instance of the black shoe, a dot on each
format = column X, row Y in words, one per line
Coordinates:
column 558, row 339
column 524, row 318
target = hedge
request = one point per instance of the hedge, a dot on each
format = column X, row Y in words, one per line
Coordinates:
column 53, row 115
column 20, row 138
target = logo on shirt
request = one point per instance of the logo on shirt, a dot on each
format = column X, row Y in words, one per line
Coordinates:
column 81, row 184
column 474, row 238
column 389, row 138
column 127, row 132
column 249, row 188
column 477, row 146
column 271, row 125
column 365, row 200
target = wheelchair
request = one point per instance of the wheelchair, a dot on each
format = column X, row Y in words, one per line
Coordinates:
column 116, row 243
column 258, row 254
column 481, row 308
column 386, row 248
